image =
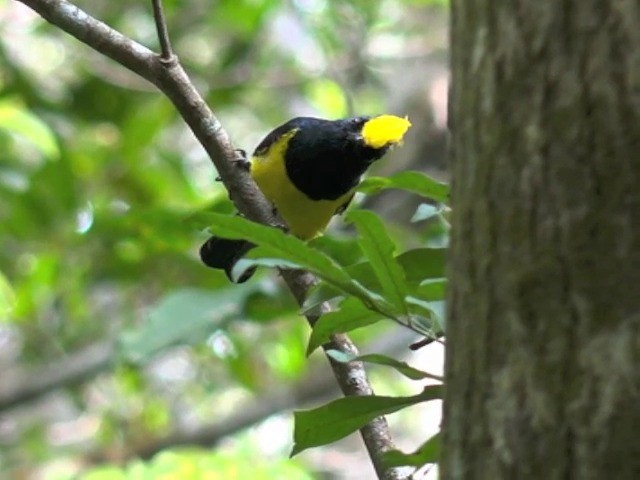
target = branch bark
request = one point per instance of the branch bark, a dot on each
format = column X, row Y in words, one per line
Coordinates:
column 166, row 73
column 20, row 385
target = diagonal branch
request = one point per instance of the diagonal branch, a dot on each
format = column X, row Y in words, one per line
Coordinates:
column 22, row 385
column 168, row 75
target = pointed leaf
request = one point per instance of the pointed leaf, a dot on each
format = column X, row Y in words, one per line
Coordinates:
column 274, row 245
column 337, row 419
column 379, row 250
column 416, row 182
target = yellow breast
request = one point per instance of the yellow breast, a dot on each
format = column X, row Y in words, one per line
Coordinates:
column 305, row 217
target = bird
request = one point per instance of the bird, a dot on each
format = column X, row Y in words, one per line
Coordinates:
column 309, row 169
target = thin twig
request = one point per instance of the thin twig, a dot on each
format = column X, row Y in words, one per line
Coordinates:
column 427, row 341
column 172, row 80
column 163, row 32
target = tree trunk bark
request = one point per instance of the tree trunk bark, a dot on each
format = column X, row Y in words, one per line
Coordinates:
column 543, row 333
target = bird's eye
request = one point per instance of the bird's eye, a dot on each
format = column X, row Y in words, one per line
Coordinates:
column 358, row 121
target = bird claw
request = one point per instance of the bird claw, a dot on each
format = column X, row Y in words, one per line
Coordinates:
column 241, row 159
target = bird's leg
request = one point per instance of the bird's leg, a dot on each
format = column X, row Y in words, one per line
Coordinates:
column 276, row 220
column 239, row 160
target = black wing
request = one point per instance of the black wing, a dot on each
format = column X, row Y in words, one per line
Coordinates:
column 278, row 132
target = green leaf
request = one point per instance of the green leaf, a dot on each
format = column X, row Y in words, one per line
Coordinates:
column 418, row 264
column 379, row 250
column 320, row 293
column 351, row 315
column 183, row 316
column 274, row 243
column 429, row 452
column 275, row 248
column 422, row 263
column 402, row 367
column 345, row 251
column 416, row 182
column 16, row 119
column 432, row 289
column 337, row 419
column 424, row 269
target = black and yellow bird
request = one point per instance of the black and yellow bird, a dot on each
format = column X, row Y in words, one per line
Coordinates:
column 309, row 169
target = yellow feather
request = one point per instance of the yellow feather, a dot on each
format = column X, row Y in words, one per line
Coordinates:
column 384, row 130
column 306, row 218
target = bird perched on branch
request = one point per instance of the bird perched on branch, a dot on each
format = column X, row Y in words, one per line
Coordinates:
column 309, row 169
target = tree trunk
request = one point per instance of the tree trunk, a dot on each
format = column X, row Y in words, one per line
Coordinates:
column 543, row 335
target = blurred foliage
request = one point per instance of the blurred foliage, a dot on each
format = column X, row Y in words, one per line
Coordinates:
column 196, row 465
column 104, row 196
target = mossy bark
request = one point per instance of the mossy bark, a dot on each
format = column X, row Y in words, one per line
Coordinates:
column 543, row 332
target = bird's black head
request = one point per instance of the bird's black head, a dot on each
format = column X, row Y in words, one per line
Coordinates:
column 326, row 158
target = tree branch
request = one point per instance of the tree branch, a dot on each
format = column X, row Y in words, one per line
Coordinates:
column 20, row 385
column 169, row 76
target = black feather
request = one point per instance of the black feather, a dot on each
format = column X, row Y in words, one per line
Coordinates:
column 223, row 254
column 325, row 159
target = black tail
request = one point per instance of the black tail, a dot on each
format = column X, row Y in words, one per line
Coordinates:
column 223, row 254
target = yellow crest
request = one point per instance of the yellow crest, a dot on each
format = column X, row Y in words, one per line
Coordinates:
column 384, row 130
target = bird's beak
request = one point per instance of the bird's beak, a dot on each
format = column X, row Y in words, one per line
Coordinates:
column 384, row 130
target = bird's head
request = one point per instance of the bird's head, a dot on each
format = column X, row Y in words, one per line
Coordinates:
column 374, row 135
